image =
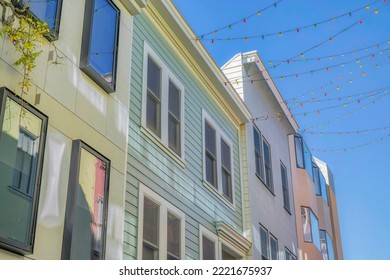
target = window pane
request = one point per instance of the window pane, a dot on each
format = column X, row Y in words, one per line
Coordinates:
column 316, row 179
column 210, row 155
column 151, row 226
column 274, row 248
column 174, row 135
column 286, row 197
column 324, row 192
column 153, row 115
column 329, row 243
column 211, row 168
column 210, row 137
column 315, row 230
column 258, row 154
column 299, row 152
column 45, row 10
column 226, row 170
column 88, row 227
column 173, row 235
column 306, row 224
column 174, row 100
column 264, row 243
column 19, row 149
column 149, row 253
column 267, row 164
column 102, row 52
column 324, row 249
column 174, row 119
column 208, row 249
column 154, row 78
column 308, row 160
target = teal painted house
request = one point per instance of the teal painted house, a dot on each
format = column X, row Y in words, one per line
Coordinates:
column 183, row 183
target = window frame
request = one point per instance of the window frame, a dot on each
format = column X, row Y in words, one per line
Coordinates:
column 164, row 208
column 167, row 76
column 86, row 44
column 311, row 215
column 204, row 232
column 54, row 33
column 71, row 201
column 7, row 243
column 285, row 188
column 266, row 241
column 259, row 151
column 271, row 236
column 291, row 254
column 219, row 136
column 263, row 165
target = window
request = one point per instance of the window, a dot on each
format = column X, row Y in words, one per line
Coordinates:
column 273, row 245
column 320, row 183
column 210, row 154
column 286, row 196
column 218, row 156
column 258, row 153
column 267, row 165
column 263, row 159
column 310, row 227
column 326, row 245
column 87, row 205
column 163, row 103
column 22, row 142
column 289, row 255
column 208, row 244
column 99, row 48
column 264, row 243
column 316, row 179
column 303, row 155
column 48, row 11
column 162, row 227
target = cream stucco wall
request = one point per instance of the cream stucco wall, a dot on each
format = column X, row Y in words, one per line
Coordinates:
column 77, row 108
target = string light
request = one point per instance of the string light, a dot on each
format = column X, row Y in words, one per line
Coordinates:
column 229, row 26
column 296, row 29
column 345, row 149
column 332, row 56
column 339, row 133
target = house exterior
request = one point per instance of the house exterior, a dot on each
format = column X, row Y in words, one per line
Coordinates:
column 315, row 204
column 269, row 211
column 63, row 147
column 184, row 185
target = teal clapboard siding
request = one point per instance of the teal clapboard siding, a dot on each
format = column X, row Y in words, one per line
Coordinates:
column 150, row 165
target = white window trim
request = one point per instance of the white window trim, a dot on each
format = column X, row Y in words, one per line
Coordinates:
column 219, row 134
column 227, row 238
column 164, row 208
column 166, row 75
column 212, row 237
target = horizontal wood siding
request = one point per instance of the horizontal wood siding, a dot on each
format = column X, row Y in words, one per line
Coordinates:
column 149, row 164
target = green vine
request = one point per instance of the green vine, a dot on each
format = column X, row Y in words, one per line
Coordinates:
column 26, row 33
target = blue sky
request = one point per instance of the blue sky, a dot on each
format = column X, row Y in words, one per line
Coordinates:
column 341, row 87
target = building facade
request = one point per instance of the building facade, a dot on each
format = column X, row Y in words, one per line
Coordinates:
column 269, row 212
column 63, row 145
column 184, row 192
column 315, row 204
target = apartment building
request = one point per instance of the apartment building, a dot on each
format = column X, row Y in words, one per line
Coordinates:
column 315, row 204
column 269, row 210
column 184, row 191
column 63, row 145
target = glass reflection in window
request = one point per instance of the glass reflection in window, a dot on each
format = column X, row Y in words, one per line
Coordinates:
column 21, row 142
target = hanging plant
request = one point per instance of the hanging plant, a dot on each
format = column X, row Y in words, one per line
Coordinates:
column 26, row 34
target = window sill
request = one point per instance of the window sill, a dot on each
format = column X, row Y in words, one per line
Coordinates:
column 219, row 195
column 265, row 185
column 180, row 161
